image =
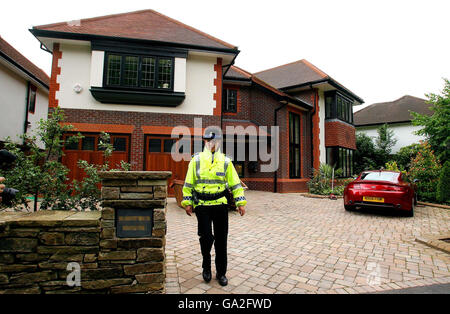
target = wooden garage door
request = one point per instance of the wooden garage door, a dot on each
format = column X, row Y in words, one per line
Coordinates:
column 88, row 149
column 158, row 157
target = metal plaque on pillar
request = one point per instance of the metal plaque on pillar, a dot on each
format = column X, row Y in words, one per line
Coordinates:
column 134, row 223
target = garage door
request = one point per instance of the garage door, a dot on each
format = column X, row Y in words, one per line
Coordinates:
column 88, row 149
column 158, row 157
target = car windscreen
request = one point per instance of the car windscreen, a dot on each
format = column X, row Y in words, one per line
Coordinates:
column 380, row 176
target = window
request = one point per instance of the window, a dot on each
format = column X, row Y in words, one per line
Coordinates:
column 120, row 144
column 154, row 145
column 380, row 176
column 139, row 72
column 338, row 107
column 230, row 100
column 31, row 98
column 239, row 164
column 341, row 158
column 294, row 145
column 88, row 143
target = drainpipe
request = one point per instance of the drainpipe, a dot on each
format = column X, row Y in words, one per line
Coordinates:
column 25, row 126
column 275, row 174
column 312, row 128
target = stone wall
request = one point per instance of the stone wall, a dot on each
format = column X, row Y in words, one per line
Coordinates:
column 36, row 248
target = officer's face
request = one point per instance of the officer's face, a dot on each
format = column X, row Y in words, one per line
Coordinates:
column 212, row 145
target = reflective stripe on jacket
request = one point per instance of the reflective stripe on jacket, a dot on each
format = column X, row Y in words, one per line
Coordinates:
column 212, row 173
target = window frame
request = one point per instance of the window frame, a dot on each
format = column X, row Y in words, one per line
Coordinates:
column 295, row 173
column 122, row 86
column 32, row 90
column 343, row 157
column 340, row 108
column 225, row 104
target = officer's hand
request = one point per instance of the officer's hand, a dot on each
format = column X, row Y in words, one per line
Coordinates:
column 188, row 210
column 241, row 210
column 2, row 186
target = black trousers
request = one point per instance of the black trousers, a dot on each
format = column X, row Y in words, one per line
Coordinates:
column 217, row 216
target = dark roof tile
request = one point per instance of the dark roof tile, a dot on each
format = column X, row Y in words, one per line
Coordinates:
column 391, row 112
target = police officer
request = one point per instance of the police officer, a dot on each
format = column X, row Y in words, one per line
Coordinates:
column 209, row 175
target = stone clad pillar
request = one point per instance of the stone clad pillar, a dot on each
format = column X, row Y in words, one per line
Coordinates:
column 133, row 227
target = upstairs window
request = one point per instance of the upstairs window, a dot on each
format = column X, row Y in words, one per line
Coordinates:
column 338, row 107
column 31, row 98
column 230, row 100
column 139, row 72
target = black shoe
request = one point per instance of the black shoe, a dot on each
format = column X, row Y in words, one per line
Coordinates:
column 223, row 281
column 206, row 275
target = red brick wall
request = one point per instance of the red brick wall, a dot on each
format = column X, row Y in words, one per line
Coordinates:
column 136, row 119
column 340, row 134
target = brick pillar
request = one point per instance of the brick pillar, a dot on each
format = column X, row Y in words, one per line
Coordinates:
column 133, row 228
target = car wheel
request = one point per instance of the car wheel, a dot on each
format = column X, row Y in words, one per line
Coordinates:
column 413, row 205
column 349, row 208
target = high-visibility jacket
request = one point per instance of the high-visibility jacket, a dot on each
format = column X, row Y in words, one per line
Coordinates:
column 212, row 173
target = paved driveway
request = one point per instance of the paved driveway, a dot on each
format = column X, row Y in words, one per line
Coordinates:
column 287, row 243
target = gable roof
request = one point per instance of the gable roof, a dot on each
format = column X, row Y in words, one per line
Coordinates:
column 237, row 73
column 291, row 74
column 300, row 73
column 391, row 112
column 143, row 25
column 22, row 63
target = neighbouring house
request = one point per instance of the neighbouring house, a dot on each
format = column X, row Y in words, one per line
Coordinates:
column 138, row 75
column 24, row 90
column 396, row 114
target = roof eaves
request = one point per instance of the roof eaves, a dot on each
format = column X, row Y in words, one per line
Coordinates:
column 228, row 45
column 81, row 36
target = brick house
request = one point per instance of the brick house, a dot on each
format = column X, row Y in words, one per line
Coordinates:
column 24, row 92
column 138, row 75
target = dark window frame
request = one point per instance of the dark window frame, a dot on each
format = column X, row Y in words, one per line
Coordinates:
column 294, row 172
column 122, row 86
column 31, row 98
column 338, row 106
column 226, row 98
column 343, row 157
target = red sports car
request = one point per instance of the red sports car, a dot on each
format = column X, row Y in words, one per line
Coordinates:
column 380, row 189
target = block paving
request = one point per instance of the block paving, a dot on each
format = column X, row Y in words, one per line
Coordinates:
column 291, row 244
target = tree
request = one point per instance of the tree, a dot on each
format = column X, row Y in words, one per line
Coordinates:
column 364, row 156
column 437, row 126
column 405, row 155
column 443, row 188
column 40, row 172
column 426, row 168
column 384, row 144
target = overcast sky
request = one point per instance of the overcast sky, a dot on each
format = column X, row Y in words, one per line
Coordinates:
column 380, row 50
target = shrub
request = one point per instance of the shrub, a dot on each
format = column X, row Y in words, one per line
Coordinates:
column 443, row 187
column 425, row 167
column 321, row 182
column 40, row 172
column 364, row 156
column 404, row 156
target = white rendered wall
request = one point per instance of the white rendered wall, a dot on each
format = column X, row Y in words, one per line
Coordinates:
column 13, row 97
column 40, row 112
column 404, row 133
column 79, row 66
